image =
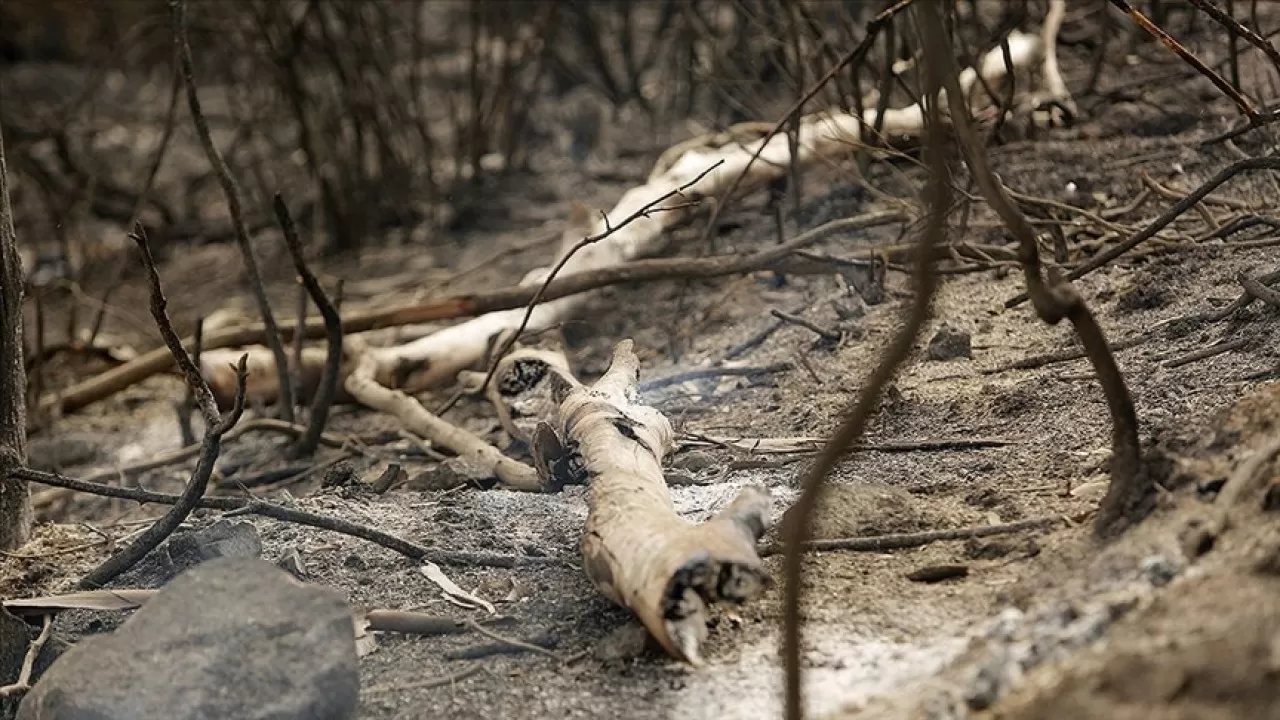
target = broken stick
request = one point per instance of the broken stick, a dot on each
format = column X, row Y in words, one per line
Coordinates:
column 420, row 421
column 636, row 550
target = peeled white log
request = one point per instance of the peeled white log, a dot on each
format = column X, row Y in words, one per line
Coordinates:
column 635, row 549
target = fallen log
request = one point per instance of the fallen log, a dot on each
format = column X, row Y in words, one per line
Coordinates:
column 636, row 549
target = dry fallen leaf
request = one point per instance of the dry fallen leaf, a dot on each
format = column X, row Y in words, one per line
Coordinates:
column 452, row 592
column 126, row 599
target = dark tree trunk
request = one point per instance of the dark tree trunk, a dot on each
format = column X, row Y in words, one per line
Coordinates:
column 15, row 498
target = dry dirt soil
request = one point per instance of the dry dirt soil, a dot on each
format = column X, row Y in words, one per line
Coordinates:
column 1176, row 619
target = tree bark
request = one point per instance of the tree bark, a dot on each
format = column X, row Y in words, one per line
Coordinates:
column 15, row 497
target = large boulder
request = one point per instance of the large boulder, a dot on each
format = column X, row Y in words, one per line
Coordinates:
column 230, row 638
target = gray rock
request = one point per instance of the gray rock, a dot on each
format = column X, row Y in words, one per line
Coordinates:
column 224, row 538
column 949, row 343
column 694, row 461
column 624, row 643
column 231, row 638
column 450, row 474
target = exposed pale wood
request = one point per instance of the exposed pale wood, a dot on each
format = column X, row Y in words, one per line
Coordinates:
column 636, row 549
column 362, row 385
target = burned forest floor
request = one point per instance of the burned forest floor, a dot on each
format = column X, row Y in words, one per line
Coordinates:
column 1175, row 619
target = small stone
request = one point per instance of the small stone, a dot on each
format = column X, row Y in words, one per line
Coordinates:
column 450, row 474
column 1091, row 490
column 232, row 638
column 340, row 475
column 949, row 343
column 625, row 642
column 694, row 460
column 1159, row 570
column 225, row 538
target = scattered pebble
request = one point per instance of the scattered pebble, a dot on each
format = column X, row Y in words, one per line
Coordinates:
column 186, row 549
column 949, row 343
column 938, row 573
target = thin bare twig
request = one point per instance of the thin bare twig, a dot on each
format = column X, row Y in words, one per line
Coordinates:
column 851, row 429
column 900, row 541
column 874, row 27
column 328, row 389
column 792, row 319
column 300, row 320
column 178, row 13
column 1195, row 196
column 252, row 506
column 1212, row 351
column 477, row 627
column 1239, row 29
column 1259, row 291
column 215, row 427
column 188, row 403
column 433, row 682
column 1246, row 106
column 1053, row 299
column 646, row 210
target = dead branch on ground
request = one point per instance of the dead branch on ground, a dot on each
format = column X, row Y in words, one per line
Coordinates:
column 15, row 497
column 938, row 201
column 23, row 683
column 1131, row 485
column 253, row 506
column 215, row 426
column 178, row 12
column 364, row 387
column 902, row 541
column 639, row 270
column 636, row 550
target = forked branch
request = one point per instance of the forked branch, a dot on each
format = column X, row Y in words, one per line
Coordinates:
column 1053, row 297
column 215, row 426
